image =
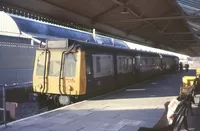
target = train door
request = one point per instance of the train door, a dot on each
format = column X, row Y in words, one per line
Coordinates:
column 40, row 71
column 137, row 66
column 89, row 72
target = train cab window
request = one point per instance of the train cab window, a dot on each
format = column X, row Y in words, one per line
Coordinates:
column 70, row 65
column 40, row 64
column 54, row 65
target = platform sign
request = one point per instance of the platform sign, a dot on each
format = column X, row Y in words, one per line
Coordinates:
column 173, row 105
column 59, row 44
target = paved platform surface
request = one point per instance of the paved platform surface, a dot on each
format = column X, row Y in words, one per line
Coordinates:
column 194, row 120
column 125, row 110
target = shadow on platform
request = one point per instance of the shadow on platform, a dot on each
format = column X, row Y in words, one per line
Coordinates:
column 162, row 86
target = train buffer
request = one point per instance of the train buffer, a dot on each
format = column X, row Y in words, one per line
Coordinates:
column 128, row 109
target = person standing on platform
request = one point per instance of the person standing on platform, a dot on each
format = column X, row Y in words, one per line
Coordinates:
column 186, row 67
column 181, row 66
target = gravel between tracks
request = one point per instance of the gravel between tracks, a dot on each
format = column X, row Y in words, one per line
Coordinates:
column 27, row 109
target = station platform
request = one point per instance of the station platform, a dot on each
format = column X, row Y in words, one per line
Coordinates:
column 123, row 110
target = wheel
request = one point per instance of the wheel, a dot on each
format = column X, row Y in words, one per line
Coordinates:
column 56, row 101
column 64, row 100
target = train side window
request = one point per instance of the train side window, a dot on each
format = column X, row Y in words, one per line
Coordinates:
column 102, row 65
column 70, row 65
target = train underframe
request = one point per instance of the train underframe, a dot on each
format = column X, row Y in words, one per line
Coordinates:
column 53, row 101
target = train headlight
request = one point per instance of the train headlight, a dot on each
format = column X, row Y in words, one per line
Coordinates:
column 39, row 87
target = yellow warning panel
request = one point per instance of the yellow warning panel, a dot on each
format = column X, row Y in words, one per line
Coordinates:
column 197, row 71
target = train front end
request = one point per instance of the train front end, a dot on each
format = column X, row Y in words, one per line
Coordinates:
column 59, row 72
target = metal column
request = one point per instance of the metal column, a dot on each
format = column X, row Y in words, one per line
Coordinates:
column 4, row 104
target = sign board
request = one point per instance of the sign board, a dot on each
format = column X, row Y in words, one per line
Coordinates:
column 60, row 44
column 173, row 105
column 197, row 71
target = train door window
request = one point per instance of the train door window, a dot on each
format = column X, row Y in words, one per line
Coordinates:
column 133, row 61
column 70, row 65
column 153, row 63
column 130, row 65
column 88, row 65
column 134, row 65
column 98, row 64
column 119, row 64
column 144, row 64
column 40, row 64
column 54, row 66
column 137, row 62
column 125, row 64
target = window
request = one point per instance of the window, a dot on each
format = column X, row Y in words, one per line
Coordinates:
column 125, row 64
column 130, row 65
column 70, row 65
column 98, row 64
column 54, row 65
column 120, row 63
column 133, row 61
column 40, row 64
column 102, row 65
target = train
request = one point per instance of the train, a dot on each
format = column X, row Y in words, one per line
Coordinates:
column 68, row 70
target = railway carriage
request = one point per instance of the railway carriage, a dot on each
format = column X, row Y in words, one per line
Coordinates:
column 66, row 70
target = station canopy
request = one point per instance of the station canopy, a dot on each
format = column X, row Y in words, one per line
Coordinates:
column 166, row 24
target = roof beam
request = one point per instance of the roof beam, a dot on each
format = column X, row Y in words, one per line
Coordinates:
column 133, row 13
column 177, row 33
column 95, row 18
column 153, row 18
column 185, row 20
column 168, row 23
column 186, row 44
column 184, row 40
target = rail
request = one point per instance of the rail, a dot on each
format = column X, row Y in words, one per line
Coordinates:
column 3, row 105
